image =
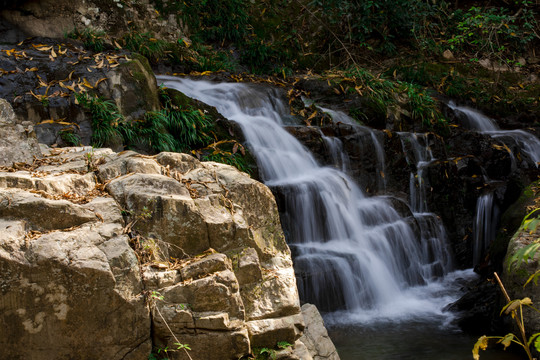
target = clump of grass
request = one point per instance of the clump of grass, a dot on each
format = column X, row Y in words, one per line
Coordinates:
column 174, row 128
column 108, row 125
column 143, row 43
column 92, row 39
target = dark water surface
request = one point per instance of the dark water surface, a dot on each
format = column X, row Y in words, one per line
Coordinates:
column 410, row 341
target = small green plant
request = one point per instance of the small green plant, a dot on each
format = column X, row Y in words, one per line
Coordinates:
column 266, row 353
column 154, row 297
column 146, row 45
column 92, row 39
column 493, row 32
column 529, row 225
column 69, row 136
column 108, row 124
column 511, row 308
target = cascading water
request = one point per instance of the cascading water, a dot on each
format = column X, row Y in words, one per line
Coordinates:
column 525, row 141
column 341, row 117
column 352, row 252
column 419, row 156
column 339, row 158
column 485, row 225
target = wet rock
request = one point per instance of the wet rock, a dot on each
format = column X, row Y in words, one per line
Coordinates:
column 478, row 310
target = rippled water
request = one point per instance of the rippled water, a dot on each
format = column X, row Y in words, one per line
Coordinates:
column 413, row 340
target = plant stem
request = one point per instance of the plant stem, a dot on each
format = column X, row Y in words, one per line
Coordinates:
column 175, row 338
column 518, row 322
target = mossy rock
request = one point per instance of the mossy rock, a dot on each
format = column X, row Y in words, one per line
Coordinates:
column 510, row 223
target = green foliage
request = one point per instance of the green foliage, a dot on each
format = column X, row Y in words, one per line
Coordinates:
column 189, row 127
column 386, row 21
column 503, row 95
column 527, row 253
column 227, row 157
column 212, row 20
column 69, row 136
column 269, row 353
column 144, row 44
column 209, row 59
column 92, row 39
column 174, row 128
column 515, row 309
column 493, row 32
column 423, row 107
column 107, row 121
column 385, row 94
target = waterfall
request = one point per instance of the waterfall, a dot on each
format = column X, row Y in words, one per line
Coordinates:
column 339, row 158
column 526, row 142
column 341, row 117
column 485, row 226
column 351, row 252
column 418, row 154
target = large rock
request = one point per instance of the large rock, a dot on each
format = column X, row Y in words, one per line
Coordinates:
column 315, row 336
column 17, row 138
column 200, row 243
column 55, row 18
column 62, row 261
column 515, row 276
column 42, row 76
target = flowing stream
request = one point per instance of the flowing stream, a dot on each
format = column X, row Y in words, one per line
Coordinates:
column 526, row 142
column 356, row 257
column 487, row 212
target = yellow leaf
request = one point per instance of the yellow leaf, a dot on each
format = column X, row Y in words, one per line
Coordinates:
column 481, row 344
column 507, row 340
column 31, row 69
column 99, row 81
column 117, row 45
column 526, row 301
column 87, row 83
column 53, row 54
column 513, row 305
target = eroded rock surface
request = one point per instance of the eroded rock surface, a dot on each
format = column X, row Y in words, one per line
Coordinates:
column 17, row 138
column 107, row 255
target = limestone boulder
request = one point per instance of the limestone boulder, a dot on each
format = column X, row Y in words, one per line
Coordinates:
column 142, row 252
column 315, row 336
column 18, row 141
column 51, row 284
